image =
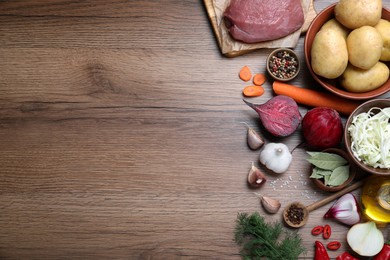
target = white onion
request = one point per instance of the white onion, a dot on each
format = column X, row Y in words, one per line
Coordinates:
column 365, row 239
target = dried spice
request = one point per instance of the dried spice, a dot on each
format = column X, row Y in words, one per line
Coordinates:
column 326, row 161
column 295, row 214
column 283, row 65
column 333, row 168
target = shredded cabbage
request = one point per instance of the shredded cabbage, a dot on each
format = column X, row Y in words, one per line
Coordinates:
column 370, row 137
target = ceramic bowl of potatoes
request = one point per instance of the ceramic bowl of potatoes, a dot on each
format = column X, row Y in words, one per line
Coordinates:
column 347, row 49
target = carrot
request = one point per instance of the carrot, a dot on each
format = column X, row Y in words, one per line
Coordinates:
column 253, row 91
column 259, row 79
column 245, row 73
column 315, row 98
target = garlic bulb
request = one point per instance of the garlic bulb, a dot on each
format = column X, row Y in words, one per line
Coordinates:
column 276, row 157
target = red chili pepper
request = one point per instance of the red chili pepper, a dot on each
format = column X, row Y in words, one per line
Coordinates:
column 320, row 253
column 346, row 256
column 327, row 232
column 334, row 245
column 317, row 230
column 384, row 254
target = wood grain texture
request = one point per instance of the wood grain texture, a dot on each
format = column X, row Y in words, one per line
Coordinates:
column 122, row 134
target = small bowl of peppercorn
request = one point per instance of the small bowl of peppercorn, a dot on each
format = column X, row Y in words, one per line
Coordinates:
column 283, row 64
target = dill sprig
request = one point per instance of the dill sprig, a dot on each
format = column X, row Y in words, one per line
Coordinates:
column 261, row 240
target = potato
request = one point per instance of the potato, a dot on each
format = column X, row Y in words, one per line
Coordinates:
column 329, row 55
column 354, row 14
column 383, row 28
column 333, row 24
column 358, row 80
column 364, row 47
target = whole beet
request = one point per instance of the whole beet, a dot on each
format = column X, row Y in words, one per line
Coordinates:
column 279, row 115
column 322, row 128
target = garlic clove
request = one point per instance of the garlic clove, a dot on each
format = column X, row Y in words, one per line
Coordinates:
column 255, row 177
column 270, row 205
column 255, row 141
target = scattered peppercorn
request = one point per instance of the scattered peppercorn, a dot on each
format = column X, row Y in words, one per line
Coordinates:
column 295, row 214
column 283, row 65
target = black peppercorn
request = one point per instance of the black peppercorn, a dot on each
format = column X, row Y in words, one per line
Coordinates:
column 295, row 214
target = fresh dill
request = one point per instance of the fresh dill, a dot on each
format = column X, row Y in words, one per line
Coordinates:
column 261, row 240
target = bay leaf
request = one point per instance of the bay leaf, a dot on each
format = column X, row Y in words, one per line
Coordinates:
column 326, row 161
column 319, row 173
column 326, row 179
column 339, row 176
column 313, row 154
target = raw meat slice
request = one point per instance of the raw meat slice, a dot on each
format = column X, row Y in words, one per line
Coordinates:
column 253, row 21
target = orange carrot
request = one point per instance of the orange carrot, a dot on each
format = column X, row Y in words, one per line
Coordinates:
column 315, row 98
column 253, row 91
column 259, row 79
column 245, row 73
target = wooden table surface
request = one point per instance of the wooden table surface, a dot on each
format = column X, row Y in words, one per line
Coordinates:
column 123, row 134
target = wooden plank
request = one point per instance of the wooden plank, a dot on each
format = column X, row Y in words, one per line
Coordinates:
column 123, row 134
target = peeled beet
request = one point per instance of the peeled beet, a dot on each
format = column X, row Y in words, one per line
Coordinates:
column 322, row 128
column 279, row 115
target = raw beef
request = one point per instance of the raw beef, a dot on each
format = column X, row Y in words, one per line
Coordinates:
column 253, row 21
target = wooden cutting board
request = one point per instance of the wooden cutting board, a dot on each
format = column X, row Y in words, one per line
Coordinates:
column 245, row 48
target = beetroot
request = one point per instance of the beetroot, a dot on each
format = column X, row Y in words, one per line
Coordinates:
column 279, row 115
column 322, row 128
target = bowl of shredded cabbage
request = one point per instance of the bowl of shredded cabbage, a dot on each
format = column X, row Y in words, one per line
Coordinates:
column 367, row 136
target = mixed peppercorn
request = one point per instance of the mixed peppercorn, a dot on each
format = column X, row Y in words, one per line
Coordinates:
column 283, row 65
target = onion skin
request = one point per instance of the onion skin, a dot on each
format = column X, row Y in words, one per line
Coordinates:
column 322, row 128
column 346, row 210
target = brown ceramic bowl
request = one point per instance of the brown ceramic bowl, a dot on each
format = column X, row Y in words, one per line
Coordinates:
column 333, row 85
column 365, row 107
column 278, row 53
column 352, row 171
